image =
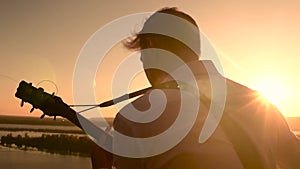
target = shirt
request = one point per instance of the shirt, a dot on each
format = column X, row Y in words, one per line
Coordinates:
column 251, row 134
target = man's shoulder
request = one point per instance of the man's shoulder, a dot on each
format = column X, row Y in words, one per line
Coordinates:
column 234, row 87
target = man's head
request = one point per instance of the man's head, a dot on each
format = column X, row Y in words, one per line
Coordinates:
column 166, row 31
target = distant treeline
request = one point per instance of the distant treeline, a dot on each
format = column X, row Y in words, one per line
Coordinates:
column 37, row 121
column 34, row 121
column 54, row 143
column 42, row 130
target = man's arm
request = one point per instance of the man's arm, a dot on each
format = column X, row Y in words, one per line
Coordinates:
column 288, row 148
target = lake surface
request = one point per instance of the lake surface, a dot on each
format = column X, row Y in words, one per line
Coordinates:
column 17, row 159
column 22, row 129
column 50, row 127
column 12, row 158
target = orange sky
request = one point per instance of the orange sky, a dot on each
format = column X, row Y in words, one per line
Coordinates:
column 257, row 42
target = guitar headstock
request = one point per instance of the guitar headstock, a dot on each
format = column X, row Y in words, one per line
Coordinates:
column 50, row 104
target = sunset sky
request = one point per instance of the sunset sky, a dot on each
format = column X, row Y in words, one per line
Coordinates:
column 257, row 42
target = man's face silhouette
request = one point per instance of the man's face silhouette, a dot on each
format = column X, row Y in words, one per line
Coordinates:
column 155, row 76
column 154, row 54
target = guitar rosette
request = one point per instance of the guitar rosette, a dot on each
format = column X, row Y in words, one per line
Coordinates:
column 93, row 53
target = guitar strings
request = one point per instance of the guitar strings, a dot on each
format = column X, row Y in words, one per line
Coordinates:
column 95, row 106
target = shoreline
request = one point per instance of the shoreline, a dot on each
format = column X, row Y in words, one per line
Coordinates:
column 11, row 158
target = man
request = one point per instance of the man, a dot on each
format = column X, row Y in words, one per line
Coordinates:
column 251, row 134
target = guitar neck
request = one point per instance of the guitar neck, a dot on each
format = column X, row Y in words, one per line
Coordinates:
column 52, row 105
column 71, row 115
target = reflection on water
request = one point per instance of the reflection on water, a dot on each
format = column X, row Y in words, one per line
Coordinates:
column 32, row 133
column 71, row 144
column 28, row 126
column 22, row 133
column 25, row 128
column 33, row 129
column 17, row 159
column 37, row 130
column 46, row 138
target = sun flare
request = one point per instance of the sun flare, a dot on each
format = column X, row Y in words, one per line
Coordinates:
column 273, row 90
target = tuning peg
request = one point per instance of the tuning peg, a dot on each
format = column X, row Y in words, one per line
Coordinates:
column 43, row 115
column 22, row 103
column 53, row 93
column 54, row 118
column 31, row 110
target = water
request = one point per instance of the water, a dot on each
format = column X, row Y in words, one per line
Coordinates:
column 39, row 127
column 17, row 159
column 35, row 130
column 12, row 158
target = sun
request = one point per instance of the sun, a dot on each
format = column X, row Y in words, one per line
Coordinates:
column 273, row 90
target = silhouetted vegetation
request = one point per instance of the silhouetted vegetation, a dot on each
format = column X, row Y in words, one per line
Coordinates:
column 62, row 140
column 34, row 121
column 43, row 130
column 37, row 121
column 55, row 143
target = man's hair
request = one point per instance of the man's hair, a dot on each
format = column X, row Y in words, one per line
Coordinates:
column 143, row 40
